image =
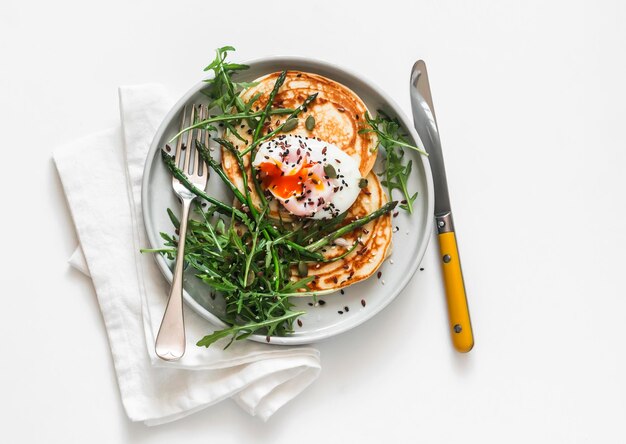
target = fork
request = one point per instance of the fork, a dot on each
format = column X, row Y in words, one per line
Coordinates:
column 170, row 341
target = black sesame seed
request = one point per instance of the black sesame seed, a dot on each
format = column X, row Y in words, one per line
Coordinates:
column 363, row 302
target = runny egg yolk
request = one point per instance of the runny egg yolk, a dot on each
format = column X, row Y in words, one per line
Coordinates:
column 288, row 185
column 309, row 177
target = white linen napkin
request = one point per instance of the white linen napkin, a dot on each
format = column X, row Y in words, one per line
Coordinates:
column 101, row 176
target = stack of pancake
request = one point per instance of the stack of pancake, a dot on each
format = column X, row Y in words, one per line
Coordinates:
column 339, row 115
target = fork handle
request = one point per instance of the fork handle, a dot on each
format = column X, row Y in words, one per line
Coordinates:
column 170, row 341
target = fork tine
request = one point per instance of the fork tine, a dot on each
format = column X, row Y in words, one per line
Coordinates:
column 196, row 156
column 192, row 116
column 179, row 143
column 206, row 137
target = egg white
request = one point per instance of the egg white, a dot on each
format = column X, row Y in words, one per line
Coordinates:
column 338, row 194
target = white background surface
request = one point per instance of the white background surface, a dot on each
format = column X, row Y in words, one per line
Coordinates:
column 530, row 99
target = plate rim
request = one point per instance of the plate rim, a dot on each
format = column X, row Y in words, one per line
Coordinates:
column 426, row 233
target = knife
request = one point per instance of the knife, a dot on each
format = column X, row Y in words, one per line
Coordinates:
column 425, row 123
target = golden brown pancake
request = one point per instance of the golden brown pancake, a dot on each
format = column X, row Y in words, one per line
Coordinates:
column 374, row 242
column 338, row 113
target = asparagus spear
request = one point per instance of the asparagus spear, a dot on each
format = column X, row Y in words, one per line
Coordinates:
column 271, row 134
column 230, row 118
column 351, row 226
column 221, row 206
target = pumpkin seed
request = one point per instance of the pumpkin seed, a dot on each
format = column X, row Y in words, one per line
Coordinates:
column 329, row 170
column 289, row 125
column 310, row 122
column 363, row 183
column 303, row 269
column 253, row 123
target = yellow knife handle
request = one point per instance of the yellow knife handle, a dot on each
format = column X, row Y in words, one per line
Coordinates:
column 458, row 311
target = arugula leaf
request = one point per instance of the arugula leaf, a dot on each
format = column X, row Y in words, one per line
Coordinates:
column 393, row 139
column 221, row 88
column 239, row 332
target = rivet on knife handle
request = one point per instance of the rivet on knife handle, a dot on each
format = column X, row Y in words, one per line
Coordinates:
column 458, row 311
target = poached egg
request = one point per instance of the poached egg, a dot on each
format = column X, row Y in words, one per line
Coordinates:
column 308, row 176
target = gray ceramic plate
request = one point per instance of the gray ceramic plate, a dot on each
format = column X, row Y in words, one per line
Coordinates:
column 321, row 321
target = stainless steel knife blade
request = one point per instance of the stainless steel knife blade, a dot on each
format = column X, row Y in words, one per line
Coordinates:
column 426, row 125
